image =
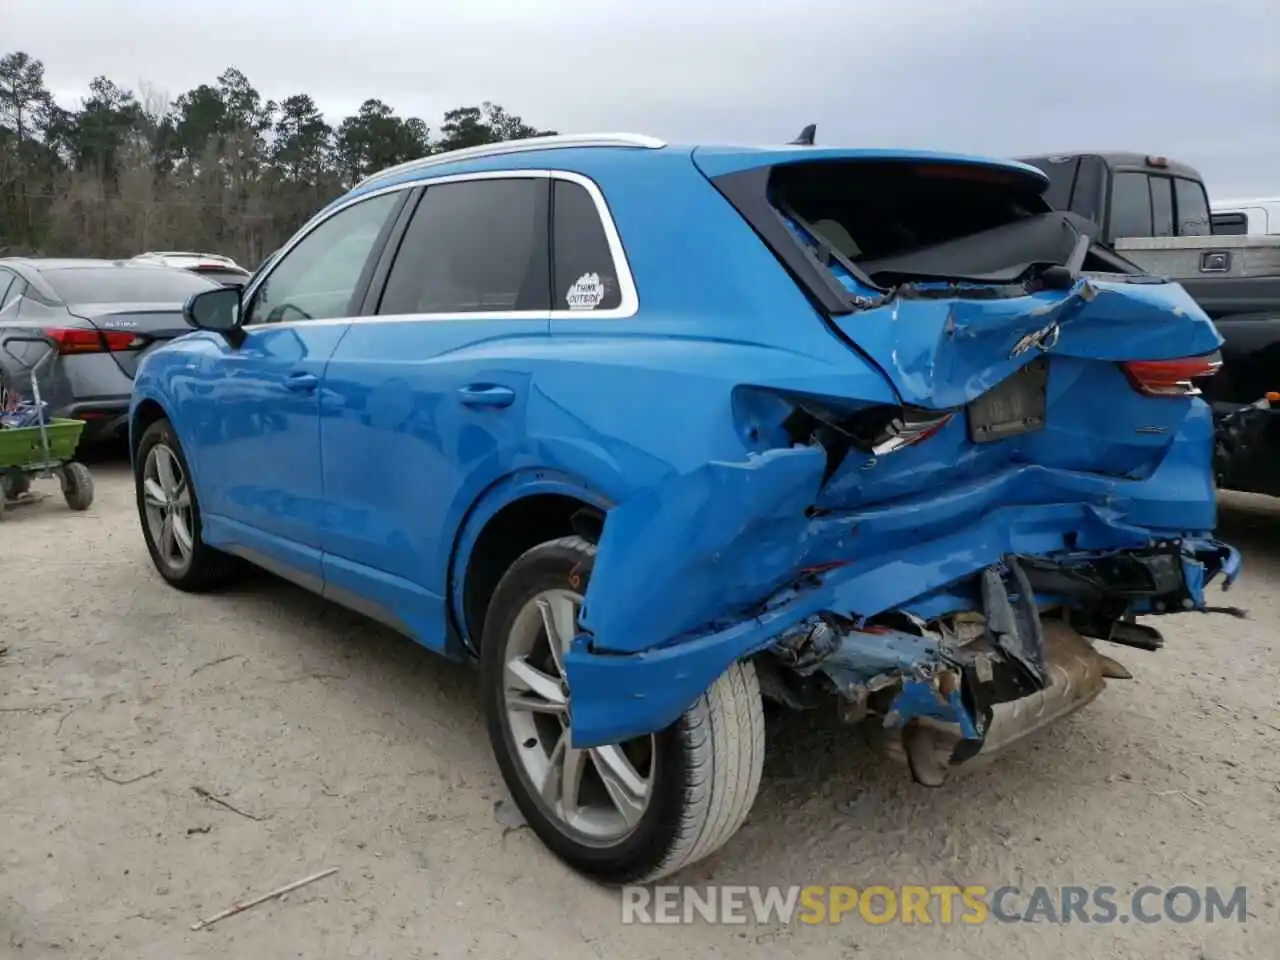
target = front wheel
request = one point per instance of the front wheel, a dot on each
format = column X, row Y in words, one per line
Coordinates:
column 170, row 514
column 628, row 812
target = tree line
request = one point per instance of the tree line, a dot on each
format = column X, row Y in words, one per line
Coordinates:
column 219, row 169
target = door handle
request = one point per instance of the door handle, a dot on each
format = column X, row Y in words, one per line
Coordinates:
column 1215, row 261
column 487, row 395
column 301, row 382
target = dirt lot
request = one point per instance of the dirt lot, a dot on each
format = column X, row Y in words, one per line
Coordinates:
column 342, row 744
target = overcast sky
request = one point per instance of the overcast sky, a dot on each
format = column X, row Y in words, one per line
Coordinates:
column 1198, row 80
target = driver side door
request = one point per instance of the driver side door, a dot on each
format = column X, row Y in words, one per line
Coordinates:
column 260, row 410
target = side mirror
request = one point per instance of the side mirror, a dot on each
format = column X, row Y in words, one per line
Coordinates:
column 217, row 310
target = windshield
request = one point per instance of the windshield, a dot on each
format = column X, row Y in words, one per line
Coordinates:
column 124, row 284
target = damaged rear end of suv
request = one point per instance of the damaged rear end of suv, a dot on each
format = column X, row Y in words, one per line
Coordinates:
column 1000, row 468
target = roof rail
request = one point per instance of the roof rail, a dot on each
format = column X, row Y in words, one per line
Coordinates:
column 519, row 146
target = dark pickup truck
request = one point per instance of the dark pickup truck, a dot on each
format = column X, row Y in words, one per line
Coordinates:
column 1155, row 212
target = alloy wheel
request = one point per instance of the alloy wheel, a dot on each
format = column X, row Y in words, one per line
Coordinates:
column 167, row 504
column 595, row 795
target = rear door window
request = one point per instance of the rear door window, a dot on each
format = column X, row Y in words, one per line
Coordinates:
column 1130, row 205
column 477, row 246
column 1161, row 207
column 1193, row 208
column 585, row 276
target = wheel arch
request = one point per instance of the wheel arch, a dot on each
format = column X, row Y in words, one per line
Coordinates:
column 145, row 412
column 514, row 514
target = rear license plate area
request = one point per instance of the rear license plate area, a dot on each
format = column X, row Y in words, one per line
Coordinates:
column 1013, row 407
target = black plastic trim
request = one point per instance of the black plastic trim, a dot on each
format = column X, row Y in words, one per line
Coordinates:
column 381, row 268
column 748, row 192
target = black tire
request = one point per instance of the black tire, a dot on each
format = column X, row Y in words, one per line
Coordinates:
column 13, row 483
column 705, row 768
column 206, row 568
column 77, row 485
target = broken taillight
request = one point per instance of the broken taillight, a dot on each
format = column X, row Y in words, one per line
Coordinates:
column 877, row 429
column 907, row 429
column 1171, row 378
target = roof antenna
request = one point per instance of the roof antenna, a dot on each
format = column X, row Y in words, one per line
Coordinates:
column 806, row 136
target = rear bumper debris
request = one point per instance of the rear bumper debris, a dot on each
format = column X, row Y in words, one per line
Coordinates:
column 810, row 629
column 932, row 747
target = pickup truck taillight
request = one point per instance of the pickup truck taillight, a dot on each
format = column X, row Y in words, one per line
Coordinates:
column 72, row 340
column 1171, row 378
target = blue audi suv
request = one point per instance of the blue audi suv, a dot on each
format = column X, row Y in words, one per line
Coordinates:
column 656, row 433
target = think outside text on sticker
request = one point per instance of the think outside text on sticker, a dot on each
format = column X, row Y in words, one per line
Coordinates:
column 586, row 293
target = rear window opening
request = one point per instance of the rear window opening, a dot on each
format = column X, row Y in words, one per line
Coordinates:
column 902, row 220
column 112, row 284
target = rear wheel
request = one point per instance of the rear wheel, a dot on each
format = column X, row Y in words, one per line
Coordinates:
column 170, row 515
column 627, row 812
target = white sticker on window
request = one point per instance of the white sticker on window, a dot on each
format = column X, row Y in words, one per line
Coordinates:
column 586, row 293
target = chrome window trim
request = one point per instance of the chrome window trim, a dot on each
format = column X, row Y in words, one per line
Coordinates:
column 629, row 300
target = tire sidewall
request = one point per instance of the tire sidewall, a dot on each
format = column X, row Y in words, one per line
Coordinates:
column 77, row 485
column 162, row 432
column 566, row 564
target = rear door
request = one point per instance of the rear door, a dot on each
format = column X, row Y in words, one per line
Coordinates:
column 255, row 409
column 426, row 400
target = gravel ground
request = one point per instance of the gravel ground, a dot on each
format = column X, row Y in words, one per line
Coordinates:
column 342, row 744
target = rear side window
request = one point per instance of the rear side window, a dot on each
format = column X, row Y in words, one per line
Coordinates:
column 12, row 298
column 1161, row 207
column 478, row 246
column 1086, row 198
column 1130, row 205
column 1193, row 209
column 1230, row 224
column 585, row 277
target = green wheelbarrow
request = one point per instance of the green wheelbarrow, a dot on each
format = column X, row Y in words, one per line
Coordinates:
column 43, row 451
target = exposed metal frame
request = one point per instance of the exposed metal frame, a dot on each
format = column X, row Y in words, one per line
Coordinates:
column 529, row 144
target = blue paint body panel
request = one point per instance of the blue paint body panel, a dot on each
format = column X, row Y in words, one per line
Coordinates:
column 375, row 487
